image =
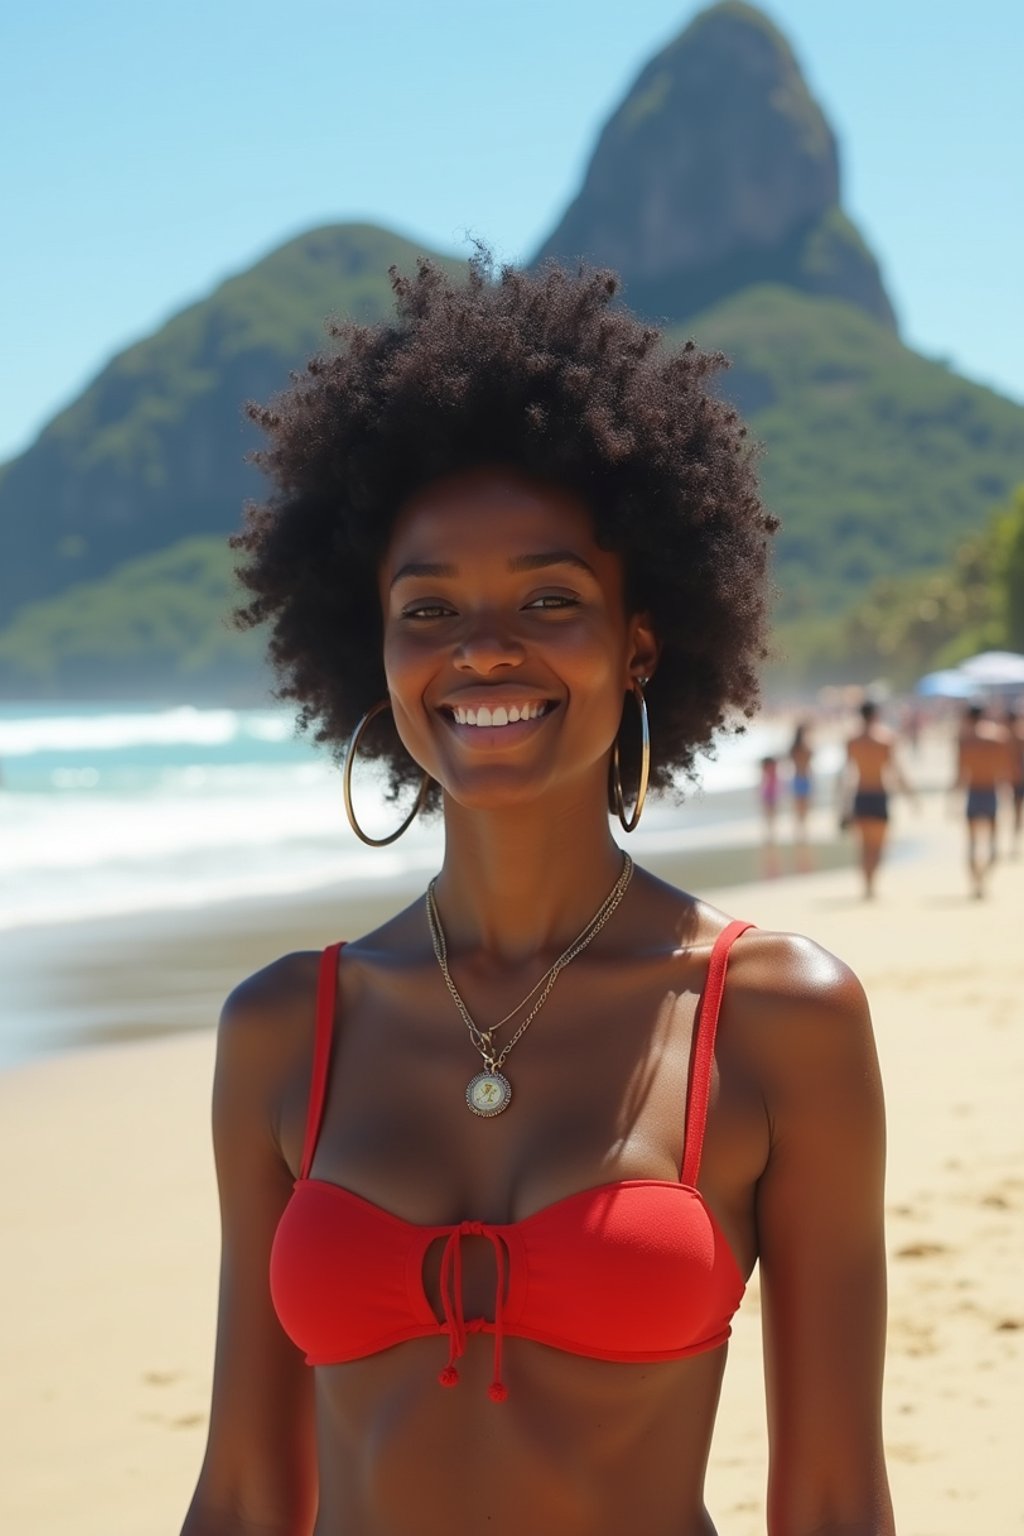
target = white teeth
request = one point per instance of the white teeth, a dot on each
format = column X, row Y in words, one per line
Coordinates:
column 497, row 716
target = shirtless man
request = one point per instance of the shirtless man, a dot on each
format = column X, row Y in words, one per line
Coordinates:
column 983, row 764
column 871, row 762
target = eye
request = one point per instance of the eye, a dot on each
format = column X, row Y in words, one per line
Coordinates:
column 554, row 600
column 426, row 611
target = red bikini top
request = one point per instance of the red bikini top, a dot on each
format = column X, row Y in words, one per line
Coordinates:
column 637, row 1270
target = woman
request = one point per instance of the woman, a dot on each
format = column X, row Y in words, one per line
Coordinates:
column 516, row 553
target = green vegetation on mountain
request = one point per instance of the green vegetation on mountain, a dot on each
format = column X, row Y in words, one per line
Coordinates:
column 154, row 449
column 156, row 626
column 1011, row 570
column 878, row 461
column 904, row 626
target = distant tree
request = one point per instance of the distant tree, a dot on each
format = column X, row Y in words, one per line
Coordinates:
column 907, row 625
column 1009, row 536
column 903, row 626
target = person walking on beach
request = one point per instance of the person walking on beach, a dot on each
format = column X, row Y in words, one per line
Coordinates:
column 872, row 772
column 984, row 763
column 493, row 1176
column 800, row 757
column 1015, row 733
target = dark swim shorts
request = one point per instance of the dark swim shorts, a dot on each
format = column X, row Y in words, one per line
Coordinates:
column 871, row 805
column 981, row 805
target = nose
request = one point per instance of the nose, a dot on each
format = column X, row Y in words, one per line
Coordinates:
column 486, row 647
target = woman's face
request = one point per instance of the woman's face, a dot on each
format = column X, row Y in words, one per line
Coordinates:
column 507, row 647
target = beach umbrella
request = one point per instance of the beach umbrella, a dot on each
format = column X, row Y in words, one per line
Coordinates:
column 949, row 684
column 995, row 669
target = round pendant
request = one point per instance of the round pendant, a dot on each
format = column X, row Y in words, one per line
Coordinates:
column 489, row 1093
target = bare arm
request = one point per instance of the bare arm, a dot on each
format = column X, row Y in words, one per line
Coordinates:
column 822, row 1253
column 259, row 1474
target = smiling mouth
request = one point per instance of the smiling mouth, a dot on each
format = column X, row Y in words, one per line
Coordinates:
column 501, row 715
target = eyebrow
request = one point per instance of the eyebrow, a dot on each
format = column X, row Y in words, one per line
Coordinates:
column 537, row 562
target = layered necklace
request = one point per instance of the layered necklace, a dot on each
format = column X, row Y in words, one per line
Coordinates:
column 489, row 1091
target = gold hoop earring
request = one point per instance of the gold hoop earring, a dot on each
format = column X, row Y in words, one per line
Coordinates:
column 645, row 764
column 346, row 784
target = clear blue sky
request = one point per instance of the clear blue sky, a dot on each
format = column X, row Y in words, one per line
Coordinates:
column 150, row 150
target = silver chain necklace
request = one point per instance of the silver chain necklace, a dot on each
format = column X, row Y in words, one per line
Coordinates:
column 489, row 1091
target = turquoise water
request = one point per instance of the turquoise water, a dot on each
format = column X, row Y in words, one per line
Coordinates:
column 126, row 815
column 108, row 809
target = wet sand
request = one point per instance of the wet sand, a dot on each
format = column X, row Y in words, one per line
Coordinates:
column 106, row 1336
column 118, row 979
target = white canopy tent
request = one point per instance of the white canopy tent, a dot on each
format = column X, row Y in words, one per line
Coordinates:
column 994, row 669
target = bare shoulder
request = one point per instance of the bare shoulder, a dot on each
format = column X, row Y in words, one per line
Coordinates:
column 263, row 1003
column 797, row 1007
column 270, row 1015
column 790, row 970
column 776, row 981
column 266, row 1023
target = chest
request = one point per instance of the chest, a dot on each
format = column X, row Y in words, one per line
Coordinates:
column 600, row 1093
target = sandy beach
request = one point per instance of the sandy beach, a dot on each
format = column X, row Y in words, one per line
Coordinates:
column 106, row 1334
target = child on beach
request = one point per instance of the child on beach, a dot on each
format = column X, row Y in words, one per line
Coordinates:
column 768, row 792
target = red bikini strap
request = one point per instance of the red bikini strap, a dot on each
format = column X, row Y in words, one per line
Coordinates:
column 326, row 996
column 703, row 1053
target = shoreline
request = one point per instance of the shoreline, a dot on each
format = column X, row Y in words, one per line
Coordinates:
column 123, row 978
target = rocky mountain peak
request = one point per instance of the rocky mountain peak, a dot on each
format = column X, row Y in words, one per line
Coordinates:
column 718, row 170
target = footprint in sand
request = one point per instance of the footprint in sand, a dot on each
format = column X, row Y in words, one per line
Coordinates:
column 912, row 1336
column 923, row 1250
column 907, row 1451
column 179, row 1421
column 997, row 1202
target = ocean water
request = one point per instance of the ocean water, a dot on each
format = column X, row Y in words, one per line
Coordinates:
column 107, row 810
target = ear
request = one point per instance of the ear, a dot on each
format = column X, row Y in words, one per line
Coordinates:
column 643, row 650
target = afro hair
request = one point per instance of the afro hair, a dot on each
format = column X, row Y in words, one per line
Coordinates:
column 543, row 372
